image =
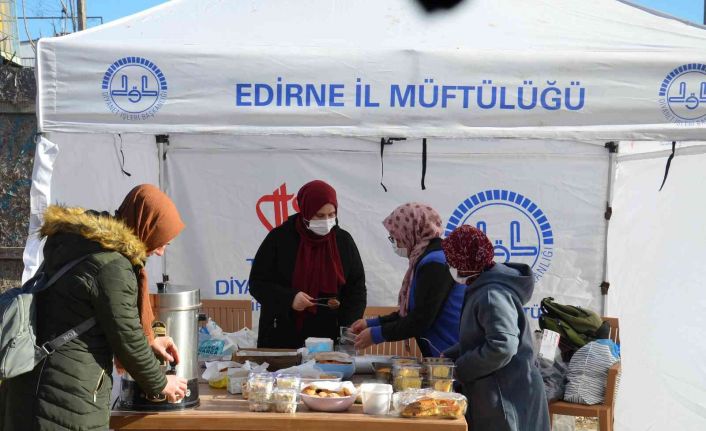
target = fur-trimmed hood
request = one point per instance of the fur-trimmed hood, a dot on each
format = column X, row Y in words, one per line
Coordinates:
column 111, row 233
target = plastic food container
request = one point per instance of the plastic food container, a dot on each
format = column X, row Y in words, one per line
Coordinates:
column 383, row 372
column 404, row 360
column 407, row 370
column 441, row 385
column 346, row 370
column 235, row 384
column 436, row 360
column 236, row 378
column 260, row 388
column 315, row 345
column 285, row 400
column 439, row 370
column 376, row 398
column 402, row 383
column 288, row 381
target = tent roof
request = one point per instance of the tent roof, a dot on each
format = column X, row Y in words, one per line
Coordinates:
column 618, row 54
column 513, row 25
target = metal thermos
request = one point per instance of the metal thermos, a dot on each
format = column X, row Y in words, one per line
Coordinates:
column 177, row 308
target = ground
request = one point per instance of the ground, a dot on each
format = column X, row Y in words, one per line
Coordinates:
column 586, row 424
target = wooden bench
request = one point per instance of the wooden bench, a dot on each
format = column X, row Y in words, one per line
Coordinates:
column 231, row 315
column 396, row 348
column 604, row 412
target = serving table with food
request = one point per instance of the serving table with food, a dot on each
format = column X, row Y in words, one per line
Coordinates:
column 313, row 391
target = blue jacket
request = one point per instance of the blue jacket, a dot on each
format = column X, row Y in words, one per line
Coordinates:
column 434, row 310
column 494, row 358
column 443, row 333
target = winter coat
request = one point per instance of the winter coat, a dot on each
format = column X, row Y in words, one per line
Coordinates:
column 434, row 307
column 70, row 390
column 494, row 358
column 271, row 285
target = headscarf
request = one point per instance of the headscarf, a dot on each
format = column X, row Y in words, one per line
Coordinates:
column 414, row 225
column 318, row 267
column 468, row 249
column 155, row 220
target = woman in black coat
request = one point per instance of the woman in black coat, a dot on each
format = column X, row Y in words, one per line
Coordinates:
column 301, row 264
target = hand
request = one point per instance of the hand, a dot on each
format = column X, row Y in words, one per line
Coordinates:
column 364, row 339
column 165, row 348
column 358, row 326
column 302, row 301
column 175, row 391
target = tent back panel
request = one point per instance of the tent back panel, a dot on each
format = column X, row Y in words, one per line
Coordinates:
column 538, row 207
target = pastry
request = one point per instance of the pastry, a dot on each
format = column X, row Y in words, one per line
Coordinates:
column 420, row 408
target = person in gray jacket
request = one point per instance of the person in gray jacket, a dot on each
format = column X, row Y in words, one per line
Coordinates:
column 494, row 360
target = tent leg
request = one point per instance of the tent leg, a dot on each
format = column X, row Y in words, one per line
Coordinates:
column 612, row 148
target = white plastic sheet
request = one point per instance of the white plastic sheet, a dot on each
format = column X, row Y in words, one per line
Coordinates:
column 655, row 253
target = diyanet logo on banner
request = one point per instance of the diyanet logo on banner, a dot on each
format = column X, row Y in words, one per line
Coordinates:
column 682, row 95
column 280, row 201
column 518, row 228
column 134, row 88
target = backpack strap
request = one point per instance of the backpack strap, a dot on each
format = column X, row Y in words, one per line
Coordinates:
column 51, row 346
column 64, row 269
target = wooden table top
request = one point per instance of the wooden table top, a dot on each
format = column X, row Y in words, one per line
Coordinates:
column 220, row 411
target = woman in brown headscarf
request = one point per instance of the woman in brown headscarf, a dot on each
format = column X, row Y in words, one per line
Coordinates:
column 155, row 221
column 70, row 389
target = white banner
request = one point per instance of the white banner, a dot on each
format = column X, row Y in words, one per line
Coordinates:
column 541, row 208
column 469, row 93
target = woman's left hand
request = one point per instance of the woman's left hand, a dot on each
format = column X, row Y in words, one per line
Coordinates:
column 165, row 348
column 364, row 339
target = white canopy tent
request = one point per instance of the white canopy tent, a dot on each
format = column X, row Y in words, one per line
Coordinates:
column 232, row 106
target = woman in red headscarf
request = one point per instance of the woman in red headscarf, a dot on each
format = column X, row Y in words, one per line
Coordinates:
column 307, row 274
column 494, row 357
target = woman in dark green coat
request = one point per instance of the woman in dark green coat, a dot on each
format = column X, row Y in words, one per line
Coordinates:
column 70, row 390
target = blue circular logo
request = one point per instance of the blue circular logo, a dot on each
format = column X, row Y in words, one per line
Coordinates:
column 518, row 228
column 134, row 88
column 683, row 93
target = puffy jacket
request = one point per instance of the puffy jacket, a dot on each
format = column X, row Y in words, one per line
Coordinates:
column 70, row 390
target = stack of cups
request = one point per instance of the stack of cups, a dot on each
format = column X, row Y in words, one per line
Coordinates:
column 376, row 398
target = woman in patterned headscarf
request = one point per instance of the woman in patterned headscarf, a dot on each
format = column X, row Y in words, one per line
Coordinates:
column 494, row 358
column 429, row 300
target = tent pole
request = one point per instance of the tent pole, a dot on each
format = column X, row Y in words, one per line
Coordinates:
column 612, row 162
column 161, row 158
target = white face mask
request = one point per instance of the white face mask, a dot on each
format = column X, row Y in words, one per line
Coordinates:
column 322, row 227
column 400, row 251
column 458, row 279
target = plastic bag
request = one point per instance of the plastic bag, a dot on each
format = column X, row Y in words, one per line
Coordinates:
column 243, row 339
column 214, row 344
column 307, row 370
column 554, row 377
column 428, row 403
column 587, row 374
column 216, row 374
